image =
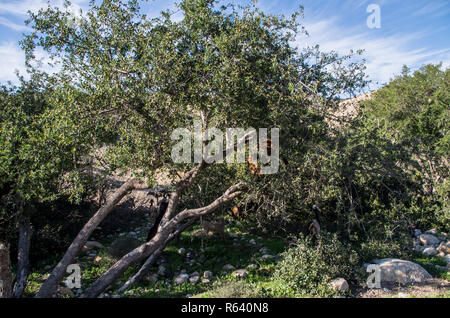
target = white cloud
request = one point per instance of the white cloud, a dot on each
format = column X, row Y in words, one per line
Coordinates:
column 21, row 7
column 15, row 61
column 15, row 58
column 12, row 25
column 385, row 55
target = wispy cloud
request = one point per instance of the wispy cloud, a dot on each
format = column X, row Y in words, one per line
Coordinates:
column 433, row 9
column 21, row 7
column 14, row 58
column 12, row 25
column 385, row 55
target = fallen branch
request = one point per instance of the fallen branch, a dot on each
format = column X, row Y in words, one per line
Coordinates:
column 151, row 260
column 50, row 285
column 148, row 248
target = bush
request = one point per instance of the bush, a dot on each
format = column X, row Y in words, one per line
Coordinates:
column 308, row 268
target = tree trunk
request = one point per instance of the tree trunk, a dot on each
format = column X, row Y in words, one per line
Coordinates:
column 145, row 250
column 149, row 262
column 23, row 262
column 50, row 285
column 5, row 272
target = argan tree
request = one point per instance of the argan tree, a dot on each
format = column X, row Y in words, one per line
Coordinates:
column 127, row 82
column 37, row 164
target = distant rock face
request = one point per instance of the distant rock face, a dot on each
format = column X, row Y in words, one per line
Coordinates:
column 401, row 271
column 339, row 284
column 428, row 239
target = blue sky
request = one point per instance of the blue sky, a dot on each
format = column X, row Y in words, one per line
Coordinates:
column 413, row 32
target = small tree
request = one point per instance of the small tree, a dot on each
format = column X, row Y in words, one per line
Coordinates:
column 35, row 162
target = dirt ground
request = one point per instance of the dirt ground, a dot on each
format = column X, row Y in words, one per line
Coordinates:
column 430, row 288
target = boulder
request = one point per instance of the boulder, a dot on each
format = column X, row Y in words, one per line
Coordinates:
column 181, row 251
column 194, row 279
column 266, row 257
column 432, row 232
column 181, row 279
column 339, row 284
column 444, row 247
column 430, row 251
column 207, row 274
column 241, row 273
column 91, row 245
column 428, row 239
column 229, row 267
column 401, row 272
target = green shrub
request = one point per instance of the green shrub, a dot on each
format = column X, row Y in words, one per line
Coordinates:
column 308, row 267
column 378, row 249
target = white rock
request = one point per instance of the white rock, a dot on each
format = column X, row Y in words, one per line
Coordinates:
column 229, row 267
column 432, row 232
column 92, row 244
column 181, row 251
column 242, row 273
column 339, row 284
column 252, row 242
column 206, row 281
column 252, row 266
column 401, row 271
column 267, row 257
column 181, row 279
column 194, row 279
column 428, row 239
column 207, row 274
column 444, row 247
column 430, row 251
